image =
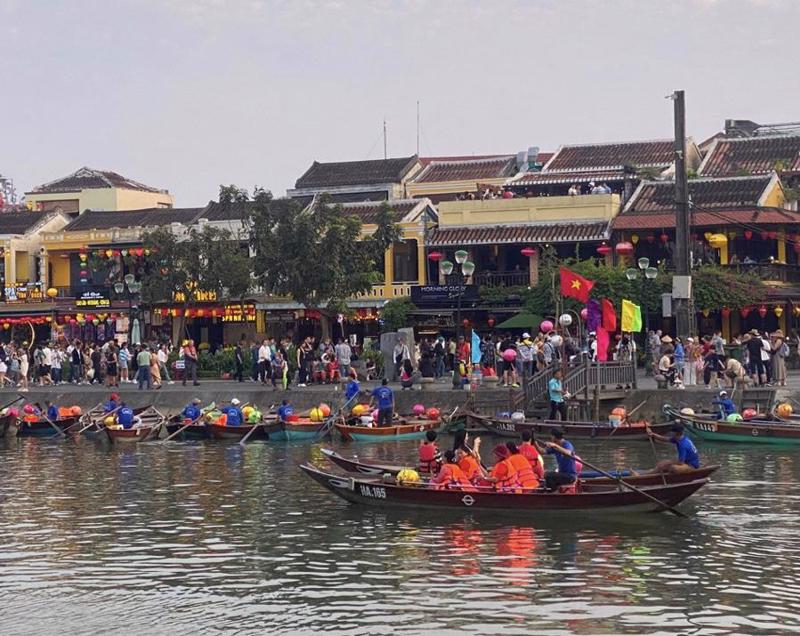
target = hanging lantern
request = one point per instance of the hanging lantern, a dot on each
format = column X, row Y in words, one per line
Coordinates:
column 584, row 314
column 748, row 234
column 664, row 237
column 778, row 311
column 764, row 236
column 83, row 257
column 51, row 292
column 624, row 248
column 744, row 312
column 465, row 322
column 651, row 238
column 772, row 235
column 200, row 313
column 6, row 325
column 796, row 310
column 796, row 248
column 123, row 252
column 731, row 235
column 116, row 253
column 762, row 311
column 725, row 311
column 706, row 235
column 634, row 238
column 109, row 253
column 491, row 321
column 717, row 241
column 83, row 250
column 147, row 252
column 528, row 251
column 435, row 256
column 603, row 249
column 706, row 312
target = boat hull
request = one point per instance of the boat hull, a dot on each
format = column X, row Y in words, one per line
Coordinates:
column 42, row 428
column 128, row 435
column 746, row 432
column 300, row 431
column 505, row 427
column 410, row 429
column 195, row 431
column 595, row 499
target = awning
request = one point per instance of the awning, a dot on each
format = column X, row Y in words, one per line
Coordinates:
column 522, row 320
column 511, row 234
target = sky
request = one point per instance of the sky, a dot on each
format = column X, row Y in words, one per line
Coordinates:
column 190, row 94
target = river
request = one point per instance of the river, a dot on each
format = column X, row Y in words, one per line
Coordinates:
column 206, row 537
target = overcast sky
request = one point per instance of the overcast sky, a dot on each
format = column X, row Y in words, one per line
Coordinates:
column 188, row 94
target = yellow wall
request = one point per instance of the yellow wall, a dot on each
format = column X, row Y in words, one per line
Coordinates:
column 417, row 190
column 528, row 210
column 775, row 198
column 137, row 200
column 22, row 268
column 108, row 199
column 60, row 270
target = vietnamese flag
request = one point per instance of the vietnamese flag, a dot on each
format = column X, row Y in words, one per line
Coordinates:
column 609, row 316
column 574, row 285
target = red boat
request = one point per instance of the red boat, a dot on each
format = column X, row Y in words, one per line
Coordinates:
column 594, row 498
column 405, row 428
column 362, row 468
column 506, row 427
column 147, row 424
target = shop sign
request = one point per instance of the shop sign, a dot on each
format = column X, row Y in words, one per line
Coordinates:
column 280, row 317
column 198, row 295
column 239, row 313
column 431, row 294
column 93, row 299
column 24, row 293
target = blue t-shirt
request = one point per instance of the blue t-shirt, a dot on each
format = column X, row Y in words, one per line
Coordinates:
column 234, row 415
column 385, row 397
column 52, row 412
column 566, row 464
column 687, row 453
column 353, row 389
column 726, row 404
column 110, row 406
column 285, row 411
column 554, row 389
column 679, row 354
column 191, row 412
column 125, row 417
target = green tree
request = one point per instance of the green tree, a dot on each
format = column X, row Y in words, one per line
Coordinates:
column 232, row 194
column 395, row 313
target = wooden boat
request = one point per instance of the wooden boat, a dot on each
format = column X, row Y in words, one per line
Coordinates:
column 195, row 431
column 405, row 428
column 8, row 425
column 41, row 427
column 302, row 429
column 372, row 491
column 364, row 468
column 96, row 417
column 270, row 429
column 506, row 427
column 148, row 425
column 755, row 431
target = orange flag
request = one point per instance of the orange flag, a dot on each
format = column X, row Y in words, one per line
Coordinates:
column 574, row 285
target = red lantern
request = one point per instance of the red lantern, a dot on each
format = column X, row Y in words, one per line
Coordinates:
column 748, row 234
column 624, row 248
column 651, row 238
column 725, row 311
column 772, row 235
column 465, row 322
column 744, row 312
column 527, row 251
column 764, row 236
column 762, row 311
column 796, row 247
column 491, row 321
column 435, row 256
column 664, row 238
column 603, row 249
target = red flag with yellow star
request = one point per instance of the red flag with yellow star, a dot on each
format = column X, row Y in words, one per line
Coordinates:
column 574, row 285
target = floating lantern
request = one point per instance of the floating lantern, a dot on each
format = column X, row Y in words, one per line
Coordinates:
column 528, row 251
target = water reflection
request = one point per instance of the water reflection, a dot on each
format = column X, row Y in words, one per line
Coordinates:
column 196, row 537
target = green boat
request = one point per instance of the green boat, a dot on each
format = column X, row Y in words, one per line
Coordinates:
column 755, row 431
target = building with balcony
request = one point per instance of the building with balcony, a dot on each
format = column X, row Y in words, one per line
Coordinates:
column 89, row 189
column 449, row 178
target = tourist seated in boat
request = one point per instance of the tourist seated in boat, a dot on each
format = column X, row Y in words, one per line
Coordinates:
column 233, row 413
column 384, row 396
column 191, row 411
column 564, row 453
column 530, row 453
column 469, row 464
column 503, row 474
column 525, row 474
column 688, row 457
column 112, row 403
column 285, row 410
column 51, row 411
column 724, row 404
column 450, row 475
column 125, row 417
column 429, row 456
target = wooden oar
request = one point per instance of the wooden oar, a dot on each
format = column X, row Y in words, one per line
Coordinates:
column 260, row 424
column 183, row 428
column 328, row 424
column 92, row 422
column 59, row 432
column 5, row 406
column 655, row 457
column 78, row 421
column 627, row 418
column 626, row 484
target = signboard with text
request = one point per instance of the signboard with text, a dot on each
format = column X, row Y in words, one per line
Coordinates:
column 438, row 294
column 239, row 313
column 24, row 293
column 93, row 299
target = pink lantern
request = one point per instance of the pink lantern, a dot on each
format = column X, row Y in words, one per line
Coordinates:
column 418, row 409
column 435, row 256
column 624, row 248
column 375, row 415
column 584, row 314
column 762, row 311
column 528, row 251
column 603, row 249
column 509, row 355
column 546, row 326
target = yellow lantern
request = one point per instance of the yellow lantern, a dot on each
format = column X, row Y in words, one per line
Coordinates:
column 634, row 238
column 52, row 292
column 778, row 311
column 109, row 253
column 717, row 240
column 796, row 310
column 706, row 312
column 707, row 235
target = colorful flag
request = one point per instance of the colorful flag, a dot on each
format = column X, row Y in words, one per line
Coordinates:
column 574, row 285
column 631, row 316
column 602, row 344
column 592, row 315
column 476, row 347
column 609, row 316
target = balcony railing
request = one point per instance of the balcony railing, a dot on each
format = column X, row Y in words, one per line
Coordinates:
column 502, row 279
column 398, row 290
column 770, row 271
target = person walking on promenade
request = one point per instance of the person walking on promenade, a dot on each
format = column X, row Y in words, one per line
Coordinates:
column 190, row 363
column 143, row 375
column 163, row 359
column 239, row 354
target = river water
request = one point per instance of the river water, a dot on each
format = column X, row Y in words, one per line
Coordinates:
column 208, row 537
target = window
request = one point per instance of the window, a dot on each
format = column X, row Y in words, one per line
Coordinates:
column 405, row 261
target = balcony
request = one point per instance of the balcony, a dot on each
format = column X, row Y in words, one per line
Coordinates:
column 397, row 290
column 770, row 271
column 502, row 279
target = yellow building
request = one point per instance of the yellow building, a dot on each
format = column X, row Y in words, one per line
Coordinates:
column 89, row 189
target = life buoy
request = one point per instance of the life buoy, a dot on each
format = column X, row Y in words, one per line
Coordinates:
column 755, row 432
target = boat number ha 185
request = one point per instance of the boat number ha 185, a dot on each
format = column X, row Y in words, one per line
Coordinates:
column 376, row 492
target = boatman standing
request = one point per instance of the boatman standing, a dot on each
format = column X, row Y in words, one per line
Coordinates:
column 725, row 405
column 52, row 411
column 688, row 457
column 385, row 398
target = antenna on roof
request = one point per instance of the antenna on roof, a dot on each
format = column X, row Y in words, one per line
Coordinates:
column 418, row 128
column 385, row 155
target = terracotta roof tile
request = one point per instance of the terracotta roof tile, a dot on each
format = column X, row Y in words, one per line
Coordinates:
column 367, row 211
column 752, row 155
column 533, row 233
column 732, row 192
column 350, row 173
column 550, row 178
column 715, row 218
column 147, row 217
column 612, row 156
column 88, row 178
column 468, row 169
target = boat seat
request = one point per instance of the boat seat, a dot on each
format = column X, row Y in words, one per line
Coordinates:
column 568, row 489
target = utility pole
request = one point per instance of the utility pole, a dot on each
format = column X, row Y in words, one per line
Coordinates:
column 385, row 154
column 682, row 280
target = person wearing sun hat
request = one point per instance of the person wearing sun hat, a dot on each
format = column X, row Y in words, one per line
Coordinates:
column 780, row 351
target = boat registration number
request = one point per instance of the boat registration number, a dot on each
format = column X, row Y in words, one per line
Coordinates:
column 376, row 492
column 506, row 426
column 705, row 426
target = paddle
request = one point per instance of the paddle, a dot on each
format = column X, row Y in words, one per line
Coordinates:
column 624, row 483
column 93, row 423
column 328, row 425
column 183, row 428
column 59, row 432
column 256, row 426
column 5, row 406
column 628, row 417
column 78, row 421
column 655, row 456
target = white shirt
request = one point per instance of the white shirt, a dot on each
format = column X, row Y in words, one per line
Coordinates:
column 765, row 349
column 162, row 356
column 264, row 353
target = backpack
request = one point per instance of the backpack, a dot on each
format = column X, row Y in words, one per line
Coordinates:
column 783, row 352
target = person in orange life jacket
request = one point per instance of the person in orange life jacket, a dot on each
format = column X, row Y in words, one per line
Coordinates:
column 125, row 416
column 450, row 475
column 503, row 474
column 525, row 474
column 530, row 453
column 471, row 466
column 564, row 453
column 429, row 455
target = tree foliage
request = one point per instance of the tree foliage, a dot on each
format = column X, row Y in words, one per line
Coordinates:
column 395, row 313
column 315, row 254
column 715, row 287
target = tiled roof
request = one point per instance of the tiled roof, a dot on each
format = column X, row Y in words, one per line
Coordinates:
column 19, row 222
column 612, row 156
column 148, row 217
column 532, row 233
column 367, row 211
column 733, row 192
column 349, row 173
column 345, row 197
column 225, row 211
column 752, row 155
column 750, row 216
column 468, row 169
column 87, row 178
column 550, row 178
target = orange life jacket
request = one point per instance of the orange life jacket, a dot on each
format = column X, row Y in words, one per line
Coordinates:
column 427, row 457
column 506, row 475
column 451, row 476
column 470, row 467
column 529, row 452
column 525, row 475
